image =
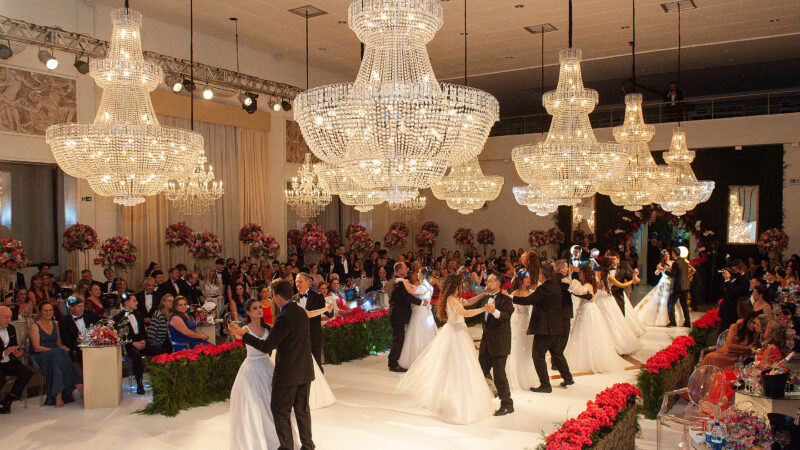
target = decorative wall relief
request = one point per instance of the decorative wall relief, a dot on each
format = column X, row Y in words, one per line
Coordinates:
column 296, row 147
column 30, row 101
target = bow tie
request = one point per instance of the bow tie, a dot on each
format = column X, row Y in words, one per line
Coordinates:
column 77, row 318
column 492, row 297
column 303, row 296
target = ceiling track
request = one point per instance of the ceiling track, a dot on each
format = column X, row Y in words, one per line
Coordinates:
column 79, row 44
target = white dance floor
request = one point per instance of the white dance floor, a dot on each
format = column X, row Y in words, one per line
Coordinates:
column 367, row 415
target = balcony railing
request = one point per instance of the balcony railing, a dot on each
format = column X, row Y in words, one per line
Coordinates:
column 739, row 105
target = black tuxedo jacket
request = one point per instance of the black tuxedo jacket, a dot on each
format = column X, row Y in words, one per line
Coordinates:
column 738, row 287
column 566, row 298
column 193, row 295
column 547, row 302
column 111, row 283
column 772, row 291
column 168, row 288
column 680, row 275
column 12, row 340
column 377, row 284
column 315, row 301
column 623, row 275
column 497, row 332
column 338, row 267
column 400, row 303
column 141, row 307
column 142, row 334
column 369, row 266
column 69, row 331
column 294, row 364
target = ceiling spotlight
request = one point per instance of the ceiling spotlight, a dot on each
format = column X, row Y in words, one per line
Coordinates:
column 174, row 83
column 208, row 94
column 286, row 105
column 47, row 58
column 81, row 66
column 274, row 105
column 5, row 50
column 249, row 102
column 187, row 84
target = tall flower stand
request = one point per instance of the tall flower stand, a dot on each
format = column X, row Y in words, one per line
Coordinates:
column 102, row 377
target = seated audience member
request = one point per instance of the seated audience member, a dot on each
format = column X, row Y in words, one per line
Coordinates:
column 379, row 281
column 10, row 352
column 316, row 278
column 50, row 288
column 252, row 276
column 86, row 275
column 773, row 343
column 760, row 304
column 110, row 285
column 158, row 276
column 137, row 334
column 150, row 268
column 337, row 299
column 174, row 284
column 76, row 322
column 69, row 281
column 237, row 301
column 23, row 304
column 266, row 304
column 181, row 270
column 36, row 293
column 158, row 340
column 193, row 294
column 213, row 289
column 52, row 357
column 772, row 285
column 182, row 328
column 148, row 299
column 81, row 289
column 94, row 301
column 741, row 340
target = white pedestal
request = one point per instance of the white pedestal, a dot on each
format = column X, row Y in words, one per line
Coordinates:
column 102, row 377
column 209, row 330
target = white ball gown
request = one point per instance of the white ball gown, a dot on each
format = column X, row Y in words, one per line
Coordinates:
column 519, row 365
column 653, row 309
column 421, row 327
column 625, row 340
column 590, row 347
column 632, row 317
column 321, row 394
column 447, row 378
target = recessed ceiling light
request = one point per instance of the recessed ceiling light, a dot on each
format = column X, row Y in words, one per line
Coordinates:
column 463, row 33
column 509, row 57
column 671, row 7
column 519, row 6
column 322, row 49
column 308, row 11
column 541, row 28
column 777, row 19
column 342, row 22
column 624, row 27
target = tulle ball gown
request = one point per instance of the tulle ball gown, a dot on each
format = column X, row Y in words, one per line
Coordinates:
column 320, row 394
column 421, row 327
column 653, row 309
column 625, row 340
column 447, row 378
column 519, row 365
column 632, row 318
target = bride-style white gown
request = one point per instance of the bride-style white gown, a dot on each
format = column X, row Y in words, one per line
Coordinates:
column 447, row 378
column 421, row 327
column 321, row 394
column 653, row 309
column 632, row 317
column 625, row 341
column 519, row 365
column 590, row 347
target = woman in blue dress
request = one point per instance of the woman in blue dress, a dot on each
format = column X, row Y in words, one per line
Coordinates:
column 182, row 328
column 52, row 357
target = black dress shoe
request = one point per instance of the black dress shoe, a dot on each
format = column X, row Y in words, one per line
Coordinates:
column 398, row 369
column 566, row 383
column 504, row 410
column 672, row 325
column 545, row 389
column 140, row 388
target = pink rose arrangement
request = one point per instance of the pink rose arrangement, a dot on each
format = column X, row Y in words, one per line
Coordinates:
column 356, row 316
column 178, row 235
column 266, row 246
column 118, row 252
column 250, row 232
column 486, row 237
column 773, row 240
column 745, row 430
column 395, row 238
column 12, row 255
column 463, row 236
column 315, row 241
column 334, row 238
column 360, row 241
column 102, row 334
column 555, row 236
column 79, row 237
column 672, row 355
column 430, row 226
column 194, row 354
column 426, row 238
column 294, row 236
column 205, row 245
column 311, row 226
column 401, row 226
column 537, row 238
column 352, row 229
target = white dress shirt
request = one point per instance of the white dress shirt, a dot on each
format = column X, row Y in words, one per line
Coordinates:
column 496, row 313
column 148, row 301
column 6, row 339
column 80, row 323
column 302, row 299
column 344, row 264
column 132, row 320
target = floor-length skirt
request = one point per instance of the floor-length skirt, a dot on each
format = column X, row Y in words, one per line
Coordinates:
column 252, row 425
column 590, row 347
column 419, row 334
column 59, row 372
column 625, row 341
column 632, row 318
column 519, row 366
column 653, row 309
column 321, row 393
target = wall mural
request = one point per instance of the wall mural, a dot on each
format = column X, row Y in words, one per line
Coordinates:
column 296, row 147
column 30, row 102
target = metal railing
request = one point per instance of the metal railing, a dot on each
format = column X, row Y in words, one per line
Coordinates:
column 718, row 107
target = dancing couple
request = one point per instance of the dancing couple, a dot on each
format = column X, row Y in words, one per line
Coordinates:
column 657, row 308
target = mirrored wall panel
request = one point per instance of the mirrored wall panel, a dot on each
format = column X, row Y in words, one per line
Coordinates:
column 743, row 215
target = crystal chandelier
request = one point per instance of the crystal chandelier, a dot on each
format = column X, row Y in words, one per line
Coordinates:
column 125, row 152
column 412, row 206
column 395, row 129
column 305, row 197
column 739, row 231
column 642, row 181
column 532, row 197
column 195, row 195
column 688, row 191
column 466, row 188
column 334, row 180
column 569, row 164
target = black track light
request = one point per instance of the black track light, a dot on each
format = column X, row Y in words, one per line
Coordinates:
column 81, row 66
column 5, row 51
column 286, row 105
column 188, row 85
column 249, row 102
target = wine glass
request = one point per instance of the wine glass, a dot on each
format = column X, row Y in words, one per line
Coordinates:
column 228, row 319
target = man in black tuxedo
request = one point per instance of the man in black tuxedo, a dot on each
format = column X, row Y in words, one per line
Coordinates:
column 86, row 275
column 174, row 285
column 134, row 321
column 341, row 266
column 736, row 286
column 193, row 294
column 72, row 325
column 294, row 367
column 110, row 285
column 622, row 272
column 312, row 302
column 222, row 274
column 10, row 352
column 382, row 264
column 371, row 263
column 400, row 302
column 496, row 340
column 680, row 288
column 771, row 284
column 378, row 280
column 562, row 275
column 148, row 299
column 546, row 326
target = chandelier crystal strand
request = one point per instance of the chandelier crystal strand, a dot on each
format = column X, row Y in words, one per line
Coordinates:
column 569, row 164
column 195, row 195
column 409, row 209
column 395, row 129
column 642, row 181
column 305, row 197
column 334, row 180
column 125, row 152
column 466, row 188
column 688, row 192
column 738, row 229
column 532, row 197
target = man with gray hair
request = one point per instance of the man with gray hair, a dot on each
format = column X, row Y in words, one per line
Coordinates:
column 10, row 352
column 148, row 299
column 313, row 303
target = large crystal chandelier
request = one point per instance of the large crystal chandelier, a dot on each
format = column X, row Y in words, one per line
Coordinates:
column 688, row 191
column 334, row 180
column 466, row 188
column 569, row 164
column 125, row 152
column 642, row 181
column 739, row 231
column 412, row 206
column 395, row 129
column 195, row 195
column 305, row 197
column 532, row 197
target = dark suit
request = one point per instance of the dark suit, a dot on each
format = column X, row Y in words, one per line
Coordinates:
column 168, row 288
column 377, row 284
column 193, row 295
column 369, row 266
column 623, row 274
column 293, row 374
column 680, row 291
column 496, row 345
column 772, row 291
column 314, row 301
column 546, row 326
column 134, row 353
column 109, row 286
column 736, row 288
column 142, row 307
column 400, row 302
column 14, row 366
column 566, row 312
column 338, row 268
column 70, row 333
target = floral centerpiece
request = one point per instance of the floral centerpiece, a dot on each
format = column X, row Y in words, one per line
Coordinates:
column 430, row 226
column 401, row 226
column 485, row 238
column 178, row 235
column 426, row 239
column 745, row 430
column 118, row 252
column 12, row 255
column 360, row 241
column 250, row 233
column 352, row 229
column 773, row 241
column 537, row 238
column 294, row 236
column 463, row 236
column 266, row 246
column 309, row 227
column 315, row 241
column 79, row 237
column 395, row 238
column 555, row 236
column 103, row 334
column 334, row 238
column 202, row 316
column 205, row 245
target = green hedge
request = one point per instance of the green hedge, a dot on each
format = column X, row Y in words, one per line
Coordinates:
column 356, row 340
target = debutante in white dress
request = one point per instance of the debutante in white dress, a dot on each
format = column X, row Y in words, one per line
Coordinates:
column 625, row 340
column 447, row 378
column 590, row 347
column 653, row 309
column 421, row 327
column 632, row 317
column 519, row 366
column 321, row 394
